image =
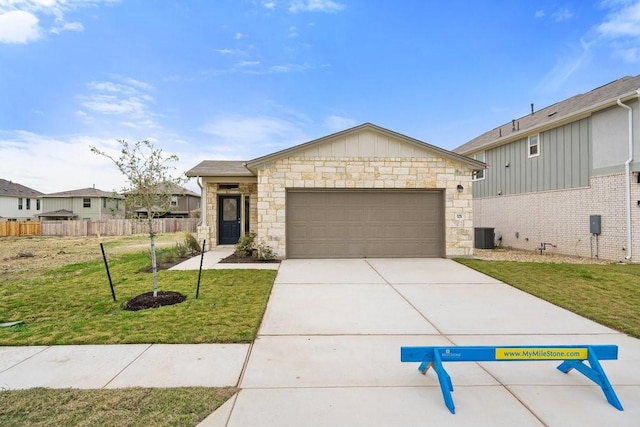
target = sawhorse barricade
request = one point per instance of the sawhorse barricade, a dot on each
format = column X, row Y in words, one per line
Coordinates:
column 573, row 357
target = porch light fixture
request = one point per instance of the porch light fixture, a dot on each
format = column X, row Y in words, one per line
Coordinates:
column 460, row 188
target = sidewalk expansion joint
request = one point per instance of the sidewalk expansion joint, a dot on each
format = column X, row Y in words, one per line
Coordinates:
column 127, row 365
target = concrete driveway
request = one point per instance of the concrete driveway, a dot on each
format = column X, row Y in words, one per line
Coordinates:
column 328, row 352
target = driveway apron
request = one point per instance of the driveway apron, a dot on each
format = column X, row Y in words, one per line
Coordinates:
column 328, row 352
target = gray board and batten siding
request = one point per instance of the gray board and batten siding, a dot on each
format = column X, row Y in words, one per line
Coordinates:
column 564, row 162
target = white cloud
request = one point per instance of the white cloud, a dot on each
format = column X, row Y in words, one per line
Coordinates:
column 240, row 36
column 327, row 6
column 18, row 27
column 248, row 135
column 127, row 99
column 22, row 21
column 561, row 15
column 248, row 64
column 624, row 22
column 621, row 30
column 567, row 65
column 558, row 15
column 224, row 51
column 68, row 26
column 56, row 164
column 336, row 123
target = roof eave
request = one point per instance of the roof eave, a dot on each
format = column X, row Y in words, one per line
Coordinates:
column 553, row 123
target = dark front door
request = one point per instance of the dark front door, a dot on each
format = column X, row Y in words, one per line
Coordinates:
column 228, row 220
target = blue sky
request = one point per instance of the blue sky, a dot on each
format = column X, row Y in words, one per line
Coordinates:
column 238, row 79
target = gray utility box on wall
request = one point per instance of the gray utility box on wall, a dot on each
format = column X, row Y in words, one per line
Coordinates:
column 484, row 238
column 594, row 224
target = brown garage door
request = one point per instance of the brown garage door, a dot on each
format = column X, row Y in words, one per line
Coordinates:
column 365, row 224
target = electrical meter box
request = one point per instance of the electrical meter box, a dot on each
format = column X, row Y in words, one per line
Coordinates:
column 594, row 224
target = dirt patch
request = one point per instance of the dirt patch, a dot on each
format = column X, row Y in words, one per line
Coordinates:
column 234, row 259
column 46, row 253
column 147, row 300
column 506, row 254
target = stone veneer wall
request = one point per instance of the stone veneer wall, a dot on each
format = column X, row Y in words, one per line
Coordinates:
column 247, row 190
column 366, row 173
column 561, row 217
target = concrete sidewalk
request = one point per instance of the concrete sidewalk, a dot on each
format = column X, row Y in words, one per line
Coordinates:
column 328, row 352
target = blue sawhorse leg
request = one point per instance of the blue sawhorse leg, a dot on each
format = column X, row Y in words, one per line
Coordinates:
column 443, row 378
column 595, row 373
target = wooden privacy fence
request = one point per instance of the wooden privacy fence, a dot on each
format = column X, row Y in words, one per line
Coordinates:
column 118, row 227
column 22, row 228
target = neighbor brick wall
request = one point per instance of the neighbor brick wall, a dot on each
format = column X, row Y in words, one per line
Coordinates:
column 561, row 217
column 366, row 173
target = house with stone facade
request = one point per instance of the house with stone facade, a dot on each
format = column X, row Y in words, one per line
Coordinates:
column 363, row 192
column 565, row 178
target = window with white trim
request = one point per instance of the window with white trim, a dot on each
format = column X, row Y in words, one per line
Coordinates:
column 19, row 203
column 86, row 203
column 534, row 145
column 478, row 175
column 174, row 201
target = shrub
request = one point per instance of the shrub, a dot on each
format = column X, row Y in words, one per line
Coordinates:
column 245, row 245
column 192, row 244
column 180, row 250
column 263, row 252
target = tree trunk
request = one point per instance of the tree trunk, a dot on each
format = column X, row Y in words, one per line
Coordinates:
column 154, row 264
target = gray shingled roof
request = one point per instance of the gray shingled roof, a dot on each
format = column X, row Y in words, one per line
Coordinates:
column 13, row 189
column 173, row 189
column 84, row 192
column 594, row 100
column 220, row 168
column 60, row 213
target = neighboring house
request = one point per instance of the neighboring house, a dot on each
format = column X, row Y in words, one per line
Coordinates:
column 362, row 192
column 18, row 203
column 87, row 204
column 558, row 173
column 183, row 203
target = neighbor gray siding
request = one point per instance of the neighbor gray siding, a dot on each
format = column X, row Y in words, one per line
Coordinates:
column 564, row 162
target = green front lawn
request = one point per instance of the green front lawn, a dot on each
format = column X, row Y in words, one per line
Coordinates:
column 73, row 305
column 121, row 407
column 608, row 294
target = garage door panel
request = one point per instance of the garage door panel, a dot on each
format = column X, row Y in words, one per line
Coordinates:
column 356, row 224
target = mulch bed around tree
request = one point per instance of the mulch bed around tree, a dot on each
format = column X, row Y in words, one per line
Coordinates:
column 235, row 259
column 147, row 300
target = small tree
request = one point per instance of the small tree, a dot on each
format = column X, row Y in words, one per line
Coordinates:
column 150, row 185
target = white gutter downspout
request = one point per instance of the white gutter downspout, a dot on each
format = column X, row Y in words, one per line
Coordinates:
column 627, row 171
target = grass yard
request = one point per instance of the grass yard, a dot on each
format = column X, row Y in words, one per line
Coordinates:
column 608, row 294
column 119, row 407
column 73, row 305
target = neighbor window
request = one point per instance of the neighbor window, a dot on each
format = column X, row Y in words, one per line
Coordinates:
column 19, row 203
column 534, row 146
column 478, row 175
column 28, row 204
column 174, row 201
column 86, row 203
column 37, row 204
column 104, row 202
